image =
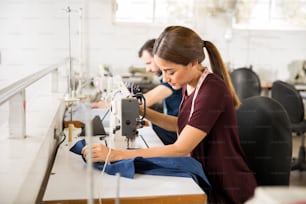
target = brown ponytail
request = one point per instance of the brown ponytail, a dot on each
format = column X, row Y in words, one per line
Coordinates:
column 218, row 67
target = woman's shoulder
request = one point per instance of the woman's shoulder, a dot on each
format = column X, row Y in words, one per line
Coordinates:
column 215, row 80
column 214, row 84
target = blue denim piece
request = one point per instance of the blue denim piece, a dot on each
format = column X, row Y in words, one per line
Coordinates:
column 165, row 166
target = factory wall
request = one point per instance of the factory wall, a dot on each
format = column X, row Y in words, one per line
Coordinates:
column 34, row 34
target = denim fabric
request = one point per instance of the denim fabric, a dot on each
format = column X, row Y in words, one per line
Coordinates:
column 166, row 166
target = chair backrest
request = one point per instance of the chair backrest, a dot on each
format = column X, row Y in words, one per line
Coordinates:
column 290, row 98
column 246, row 82
column 265, row 136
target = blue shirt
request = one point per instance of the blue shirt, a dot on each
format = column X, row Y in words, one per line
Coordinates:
column 171, row 103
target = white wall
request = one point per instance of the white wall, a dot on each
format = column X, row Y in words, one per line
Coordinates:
column 35, row 33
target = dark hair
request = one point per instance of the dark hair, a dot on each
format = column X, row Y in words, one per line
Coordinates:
column 148, row 45
column 181, row 45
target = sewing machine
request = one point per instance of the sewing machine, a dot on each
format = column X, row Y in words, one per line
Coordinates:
column 144, row 80
column 297, row 72
column 146, row 77
column 124, row 122
column 124, row 116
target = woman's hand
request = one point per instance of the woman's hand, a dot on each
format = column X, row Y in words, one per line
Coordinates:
column 99, row 152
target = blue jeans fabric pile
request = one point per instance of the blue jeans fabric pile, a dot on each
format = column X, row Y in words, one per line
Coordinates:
column 165, row 166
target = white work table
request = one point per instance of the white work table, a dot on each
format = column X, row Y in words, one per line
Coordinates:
column 68, row 182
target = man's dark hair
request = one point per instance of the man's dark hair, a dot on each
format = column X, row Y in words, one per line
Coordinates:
column 148, row 45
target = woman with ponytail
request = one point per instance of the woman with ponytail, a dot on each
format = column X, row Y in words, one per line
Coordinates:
column 206, row 123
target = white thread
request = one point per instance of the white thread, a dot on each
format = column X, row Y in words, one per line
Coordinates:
column 103, row 170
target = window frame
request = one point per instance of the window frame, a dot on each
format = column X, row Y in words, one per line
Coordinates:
column 273, row 22
column 153, row 22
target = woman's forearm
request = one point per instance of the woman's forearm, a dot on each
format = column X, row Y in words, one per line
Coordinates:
column 168, row 150
column 167, row 122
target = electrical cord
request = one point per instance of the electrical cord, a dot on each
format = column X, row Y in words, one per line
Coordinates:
column 105, row 114
column 144, row 141
column 103, row 170
column 109, row 149
column 48, row 171
column 64, row 137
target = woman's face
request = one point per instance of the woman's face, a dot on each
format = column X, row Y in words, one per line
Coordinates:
column 151, row 67
column 176, row 75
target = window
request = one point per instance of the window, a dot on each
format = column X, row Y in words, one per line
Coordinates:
column 270, row 14
column 154, row 11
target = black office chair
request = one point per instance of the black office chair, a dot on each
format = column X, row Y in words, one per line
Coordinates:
column 265, row 136
column 246, row 82
column 292, row 101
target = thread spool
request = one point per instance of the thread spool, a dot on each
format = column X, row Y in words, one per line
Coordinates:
column 70, row 131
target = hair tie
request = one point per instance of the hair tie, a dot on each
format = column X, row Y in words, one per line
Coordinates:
column 204, row 43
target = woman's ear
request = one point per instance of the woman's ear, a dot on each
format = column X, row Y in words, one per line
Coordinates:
column 194, row 63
